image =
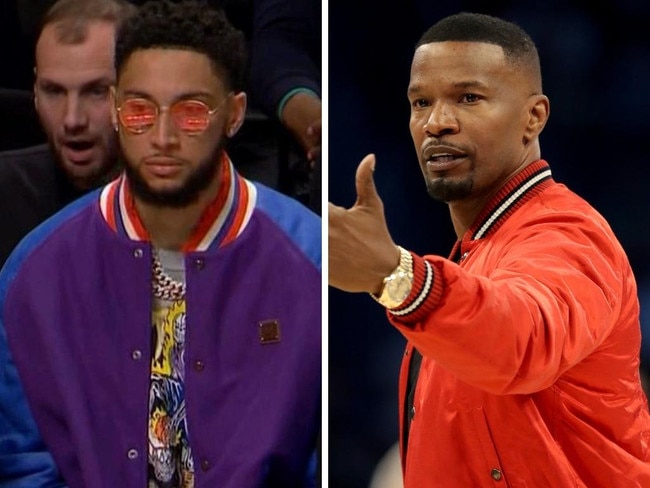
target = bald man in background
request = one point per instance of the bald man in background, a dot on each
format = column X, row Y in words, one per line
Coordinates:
column 74, row 71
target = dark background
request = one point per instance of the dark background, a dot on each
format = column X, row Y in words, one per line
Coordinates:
column 596, row 69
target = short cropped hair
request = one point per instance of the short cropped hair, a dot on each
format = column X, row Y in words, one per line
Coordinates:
column 189, row 25
column 73, row 16
column 517, row 45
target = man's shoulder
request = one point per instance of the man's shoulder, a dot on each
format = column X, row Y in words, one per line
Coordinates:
column 559, row 198
column 31, row 153
column 281, row 207
column 28, row 182
column 62, row 230
column 297, row 221
column 560, row 208
column 27, row 160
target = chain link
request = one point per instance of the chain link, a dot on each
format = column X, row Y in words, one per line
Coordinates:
column 164, row 287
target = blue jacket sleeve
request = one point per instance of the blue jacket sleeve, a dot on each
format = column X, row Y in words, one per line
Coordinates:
column 24, row 460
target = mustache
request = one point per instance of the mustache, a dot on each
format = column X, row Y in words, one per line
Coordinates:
column 432, row 147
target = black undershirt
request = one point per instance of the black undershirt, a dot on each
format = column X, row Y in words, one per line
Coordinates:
column 409, row 412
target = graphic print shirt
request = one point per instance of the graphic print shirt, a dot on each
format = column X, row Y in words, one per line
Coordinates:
column 170, row 456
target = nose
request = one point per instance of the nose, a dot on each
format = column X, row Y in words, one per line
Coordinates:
column 75, row 118
column 441, row 121
column 164, row 133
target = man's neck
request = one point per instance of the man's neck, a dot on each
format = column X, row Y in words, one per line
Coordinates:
column 463, row 214
column 170, row 227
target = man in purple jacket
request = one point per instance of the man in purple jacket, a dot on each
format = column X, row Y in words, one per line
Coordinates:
column 164, row 330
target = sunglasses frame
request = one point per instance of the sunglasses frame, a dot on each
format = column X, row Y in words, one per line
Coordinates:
column 159, row 109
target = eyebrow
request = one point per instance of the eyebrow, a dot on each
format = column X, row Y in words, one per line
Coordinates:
column 183, row 96
column 97, row 81
column 463, row 85
column 470, row 84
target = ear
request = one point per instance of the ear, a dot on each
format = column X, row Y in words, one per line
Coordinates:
column 237, row 114
column 538, row 112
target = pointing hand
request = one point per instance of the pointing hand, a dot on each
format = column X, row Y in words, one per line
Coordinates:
column 361, row 250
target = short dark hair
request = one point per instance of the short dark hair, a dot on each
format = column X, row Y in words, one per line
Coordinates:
column 189, row 25
column 73, row 16
column 517, row 45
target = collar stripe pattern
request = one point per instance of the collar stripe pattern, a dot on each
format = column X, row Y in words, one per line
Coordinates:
column 129, row 219
column 514, row 196
column 242, row 213
column 222, row 221
column 208, row 231
column 108, row 195
column 109, row 203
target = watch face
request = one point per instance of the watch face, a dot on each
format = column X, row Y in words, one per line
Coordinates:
column 399, row 287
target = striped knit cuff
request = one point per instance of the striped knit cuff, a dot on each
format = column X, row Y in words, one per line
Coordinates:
column 289, row 94
column 425, row 294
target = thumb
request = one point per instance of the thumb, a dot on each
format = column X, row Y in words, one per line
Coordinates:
column 365, row 183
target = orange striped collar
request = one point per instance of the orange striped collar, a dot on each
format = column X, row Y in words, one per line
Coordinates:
column 221, row 222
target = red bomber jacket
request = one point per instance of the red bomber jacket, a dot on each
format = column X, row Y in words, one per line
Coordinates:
column 530, row 351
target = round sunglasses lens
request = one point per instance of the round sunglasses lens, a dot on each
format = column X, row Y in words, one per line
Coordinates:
column 138, row 115
column 191, row 116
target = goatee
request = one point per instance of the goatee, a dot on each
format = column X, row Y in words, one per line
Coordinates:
column 198, row 181
column 448, row 190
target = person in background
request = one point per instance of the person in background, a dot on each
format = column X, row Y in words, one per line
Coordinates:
column 175, row 312
column 522, row 357
column 286, row 66
column 285, row 81
column 74, row 72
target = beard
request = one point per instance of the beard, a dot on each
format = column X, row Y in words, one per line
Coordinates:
column 198, row 181
column 447, row 190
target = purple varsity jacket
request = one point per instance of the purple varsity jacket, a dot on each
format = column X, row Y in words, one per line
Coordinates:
column 75, row 335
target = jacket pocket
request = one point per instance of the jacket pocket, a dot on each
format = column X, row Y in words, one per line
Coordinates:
column 485, row 459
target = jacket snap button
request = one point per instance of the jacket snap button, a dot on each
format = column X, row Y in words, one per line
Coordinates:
column 137, row 253
column 132, row 454
column 496, row 474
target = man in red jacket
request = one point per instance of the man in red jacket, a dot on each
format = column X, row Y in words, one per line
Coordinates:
column 522, row 363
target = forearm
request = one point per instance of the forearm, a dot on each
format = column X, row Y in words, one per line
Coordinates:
column 513, row 332
column 285, row 51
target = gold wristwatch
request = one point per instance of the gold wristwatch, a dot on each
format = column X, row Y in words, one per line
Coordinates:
column 398, row 284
